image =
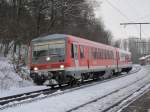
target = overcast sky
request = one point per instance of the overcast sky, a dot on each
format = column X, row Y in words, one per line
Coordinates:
column 114, row 12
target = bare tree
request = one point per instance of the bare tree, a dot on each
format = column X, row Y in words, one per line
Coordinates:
column 23, row 20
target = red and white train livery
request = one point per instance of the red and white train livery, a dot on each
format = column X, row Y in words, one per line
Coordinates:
column 61, row 58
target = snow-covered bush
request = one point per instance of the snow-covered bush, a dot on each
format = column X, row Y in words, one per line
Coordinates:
column 8, row 77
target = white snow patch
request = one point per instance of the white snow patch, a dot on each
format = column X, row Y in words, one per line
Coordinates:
column 8, row 77
column 11, row 83
column 15, row 91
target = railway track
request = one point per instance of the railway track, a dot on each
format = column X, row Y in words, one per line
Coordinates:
column 106, row 95
column 11, row 101
column 121, row 104
column 19, row 97
column 117, row 106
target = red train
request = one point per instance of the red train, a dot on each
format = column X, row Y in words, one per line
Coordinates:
column 59, row 59
column 145, row 60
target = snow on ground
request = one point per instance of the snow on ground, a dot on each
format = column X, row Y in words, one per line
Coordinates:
column 114, row 98
column 11, row 83
column 15, row 91
column 64, row 102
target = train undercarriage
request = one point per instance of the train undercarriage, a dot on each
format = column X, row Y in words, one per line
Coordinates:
column 62, row 77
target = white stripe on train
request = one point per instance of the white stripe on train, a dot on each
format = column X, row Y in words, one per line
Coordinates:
column 92, row 68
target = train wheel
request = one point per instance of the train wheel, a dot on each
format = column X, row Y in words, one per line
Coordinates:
column 71, row 80
column 96, row 76
column 111, row 73
column 72, row 83
column 60, row 85
column 108, row 74
column 52, row 86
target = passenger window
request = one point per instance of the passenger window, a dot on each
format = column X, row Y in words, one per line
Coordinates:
column 81, row 52
column 72, row 51
column 90, row 53
column 101, row 57
column 95, row 53
column 102, row 54
column 109, row 54
column 112, row 54
column 75, row 51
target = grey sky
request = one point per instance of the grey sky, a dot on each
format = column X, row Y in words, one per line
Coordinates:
column 114, row 12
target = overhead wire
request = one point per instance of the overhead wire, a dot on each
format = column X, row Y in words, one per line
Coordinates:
column 136, row 13
column 126, row 18
column 119, row 11
column 113, row 6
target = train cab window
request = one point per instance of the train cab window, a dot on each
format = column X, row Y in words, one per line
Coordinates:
column 72, row 51
column 81, row 51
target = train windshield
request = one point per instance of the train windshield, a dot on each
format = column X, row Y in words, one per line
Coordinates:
column 52, row 51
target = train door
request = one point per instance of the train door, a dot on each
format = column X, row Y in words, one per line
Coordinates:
column 89, row 57
column 75, row 49
column 117, row 60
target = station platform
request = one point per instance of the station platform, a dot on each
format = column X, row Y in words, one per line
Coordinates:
column 140, row 105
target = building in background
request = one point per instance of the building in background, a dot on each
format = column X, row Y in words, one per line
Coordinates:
column 138, row 47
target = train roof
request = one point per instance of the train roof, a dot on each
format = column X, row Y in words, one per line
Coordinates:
column 50, row 37
column 65, row 36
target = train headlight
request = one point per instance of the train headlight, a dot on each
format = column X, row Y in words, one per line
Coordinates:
column 62, row 66
column 35, row 68
column 48, row 58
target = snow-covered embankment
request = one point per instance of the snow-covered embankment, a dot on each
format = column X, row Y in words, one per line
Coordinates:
column 67, row 101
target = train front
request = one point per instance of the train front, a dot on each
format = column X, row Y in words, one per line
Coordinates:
column 48, row 60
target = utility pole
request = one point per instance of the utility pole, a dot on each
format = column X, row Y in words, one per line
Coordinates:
column 143, row 50
column 135, row 24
